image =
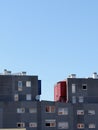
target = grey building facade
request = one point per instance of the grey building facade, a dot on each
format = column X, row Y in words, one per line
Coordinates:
column 20, row 105
column 19, row 101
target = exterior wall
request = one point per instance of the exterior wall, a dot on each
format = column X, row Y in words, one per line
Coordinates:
column 11, row 116
column 86, row 118
column 57, row 116
column 45, row 115
column 91, row 118
column 9, row 87
column 14, row 112
column 89, row 94
column 64, row 117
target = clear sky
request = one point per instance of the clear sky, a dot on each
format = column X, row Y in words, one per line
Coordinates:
column 49, row 38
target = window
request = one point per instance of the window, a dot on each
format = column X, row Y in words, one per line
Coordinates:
column 50, row 109
column 16, row 98
column 73, row 99
column 91, row 125
column 91, row 112
column 80, row 112
column 73, row 88
column 80, row 126
column 63, row 125
column 50, row 123
column 28, row 96
column 20, row 110
column 28, row 83
column 81, row 99
column 32, row 124
column 62, row 111
column 19, row 85
column 32, row 110
column 84, row 86
column 20, row 124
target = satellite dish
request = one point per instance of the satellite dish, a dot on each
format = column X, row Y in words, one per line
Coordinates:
column 37, row 97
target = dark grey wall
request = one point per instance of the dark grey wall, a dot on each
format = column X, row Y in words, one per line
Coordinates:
column 9, row 116
column 9, row 87
column 90, row 95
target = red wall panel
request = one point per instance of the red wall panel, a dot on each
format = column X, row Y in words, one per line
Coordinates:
column 60, row 91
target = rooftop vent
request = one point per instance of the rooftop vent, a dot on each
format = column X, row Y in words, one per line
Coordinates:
column 6, row 72
column 23, row 73
column 95, row 76
column 72, row 76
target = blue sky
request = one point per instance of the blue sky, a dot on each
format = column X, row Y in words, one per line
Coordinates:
column 49, row 38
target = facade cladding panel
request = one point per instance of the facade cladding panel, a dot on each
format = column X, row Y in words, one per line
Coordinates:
column 60, row 91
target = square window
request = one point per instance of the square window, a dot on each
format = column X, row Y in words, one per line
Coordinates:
column 28, row 96
column 80, row 112
column 20, row 110
column 80, row 126
column 62, row 111
column 63, row 125
column 32, row 124
column 50, row 109
column 91, row 125
column 32, row 110
column 91, row 112
column 84, row 86
column 28, row 83
column 81, row 99
column 20, row 125
column 50, row 123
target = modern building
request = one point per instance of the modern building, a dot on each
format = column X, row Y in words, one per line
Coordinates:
column 82, row 95
column 75, row 104
column 19, row 100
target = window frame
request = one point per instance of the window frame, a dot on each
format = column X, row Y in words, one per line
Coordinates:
column 73, row 88
column 80, row 112
column 91, row 112
column 52, row 122
column 61, row 125
column 62, row 111
column 33, row 124
column 20, row 110
column 20, row 85
column 16, row 97
column 74, row 100
column 49, row 109
column 33, row 110
column 80, row 126
column 83, row 86
column 28, row 84
column 81, row 99
column 22, row 124
column 92, row 126
column 28, row 97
